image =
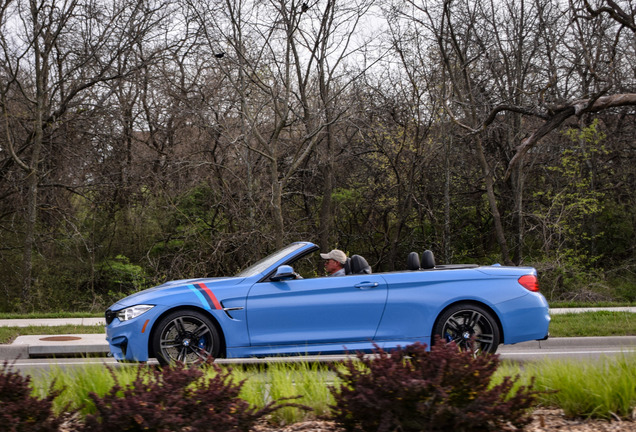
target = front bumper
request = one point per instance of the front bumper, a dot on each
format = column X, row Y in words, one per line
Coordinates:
column 129, row 340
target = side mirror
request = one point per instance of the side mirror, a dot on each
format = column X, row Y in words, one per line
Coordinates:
column 283, row 272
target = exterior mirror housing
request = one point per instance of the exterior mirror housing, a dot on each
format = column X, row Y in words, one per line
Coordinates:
column 284, row 272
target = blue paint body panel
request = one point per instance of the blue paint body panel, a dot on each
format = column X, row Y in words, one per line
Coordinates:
column 259, row 317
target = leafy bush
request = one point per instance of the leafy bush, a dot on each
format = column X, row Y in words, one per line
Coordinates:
column 413, row 389
column 174, row 399
column 20, row 410
column 119, row 277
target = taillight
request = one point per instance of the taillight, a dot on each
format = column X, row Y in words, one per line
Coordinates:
column 529, row 282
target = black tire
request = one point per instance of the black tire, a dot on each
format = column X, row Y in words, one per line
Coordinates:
column 185, row 336
column 467, row 323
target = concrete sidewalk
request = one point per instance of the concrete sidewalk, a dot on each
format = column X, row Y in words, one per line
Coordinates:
column 50, row 322
column 68, row 345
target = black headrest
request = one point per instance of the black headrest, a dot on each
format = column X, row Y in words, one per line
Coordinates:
column 347, row 266
column 359, row 265
column 428, row 260
column 413, row 261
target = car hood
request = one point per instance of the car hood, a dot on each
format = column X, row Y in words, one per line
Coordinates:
column 168, row 289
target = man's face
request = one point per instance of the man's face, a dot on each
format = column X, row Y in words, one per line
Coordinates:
column 332, row 266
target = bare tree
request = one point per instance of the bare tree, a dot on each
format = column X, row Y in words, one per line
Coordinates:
column 462, row 41
column 269, row 52
column 55, row 52
column 511, row 65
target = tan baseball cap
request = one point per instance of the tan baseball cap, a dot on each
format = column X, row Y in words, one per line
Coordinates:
column 336, row 255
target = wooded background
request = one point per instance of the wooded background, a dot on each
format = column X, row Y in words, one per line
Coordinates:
column 147, row 140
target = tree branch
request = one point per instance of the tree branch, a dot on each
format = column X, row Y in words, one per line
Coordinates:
column 562, row 113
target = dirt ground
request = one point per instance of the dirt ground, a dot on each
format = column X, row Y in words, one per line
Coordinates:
column 544, row 420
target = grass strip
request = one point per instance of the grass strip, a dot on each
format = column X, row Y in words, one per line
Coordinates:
column 604, row 388
column 310, row 381
column 602, row 323
column 575, row 304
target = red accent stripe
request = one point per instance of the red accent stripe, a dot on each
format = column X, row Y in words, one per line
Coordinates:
column 210, row 294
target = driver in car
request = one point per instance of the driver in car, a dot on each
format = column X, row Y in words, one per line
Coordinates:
column 334, row 262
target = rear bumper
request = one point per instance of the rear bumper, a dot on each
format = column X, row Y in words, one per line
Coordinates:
column 527, row 318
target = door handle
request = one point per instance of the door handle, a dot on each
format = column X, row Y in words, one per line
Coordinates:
column 366, row 285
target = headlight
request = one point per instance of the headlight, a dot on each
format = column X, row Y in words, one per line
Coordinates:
column 133, row 312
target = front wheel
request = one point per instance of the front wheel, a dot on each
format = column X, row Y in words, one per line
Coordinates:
column 471, row 327
column 185, row 336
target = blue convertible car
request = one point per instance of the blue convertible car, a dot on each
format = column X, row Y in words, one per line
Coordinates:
column 270, row 309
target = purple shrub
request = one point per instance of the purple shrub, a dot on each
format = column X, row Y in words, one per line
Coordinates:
column 20, row 410
column 413, row 389
column 174, row 399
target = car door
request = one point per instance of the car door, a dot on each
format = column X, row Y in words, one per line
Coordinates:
column 320, row 310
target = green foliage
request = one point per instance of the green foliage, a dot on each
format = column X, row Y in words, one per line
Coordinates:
column 616, row 243
column 119, row 277
column 572, row 210
column 443, row 389
column 75, row 385
column 625, row 290
column 571, row 205
column 310, row 381
column 191, row 239
column 282, row 380
column 603, row 388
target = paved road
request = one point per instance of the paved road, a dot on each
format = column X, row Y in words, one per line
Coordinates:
column 557, row 348
column 34, row 358
column 42, row 351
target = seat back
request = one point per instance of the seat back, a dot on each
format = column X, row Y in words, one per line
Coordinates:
column 413, row 261
column 428, row 260
column 347, row 266
column 359, row 265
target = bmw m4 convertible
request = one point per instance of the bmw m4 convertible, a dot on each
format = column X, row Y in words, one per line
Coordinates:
column 279, row 306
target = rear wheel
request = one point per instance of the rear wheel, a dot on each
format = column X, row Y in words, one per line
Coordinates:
column 185, row 336
column 471, row 327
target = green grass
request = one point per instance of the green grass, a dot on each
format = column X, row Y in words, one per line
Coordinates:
column 604, row 388
column 602, row 323
column 77, row 382
column 276, row 381
column 575, row 304
column 8, row 334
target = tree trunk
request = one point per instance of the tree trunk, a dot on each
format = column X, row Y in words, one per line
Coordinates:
column 326, row 215
column 448, row 144
column 277, row 207
column 492, row 201
column 33, row 172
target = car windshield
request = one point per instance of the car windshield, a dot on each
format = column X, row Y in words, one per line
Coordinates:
column 269, row 260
